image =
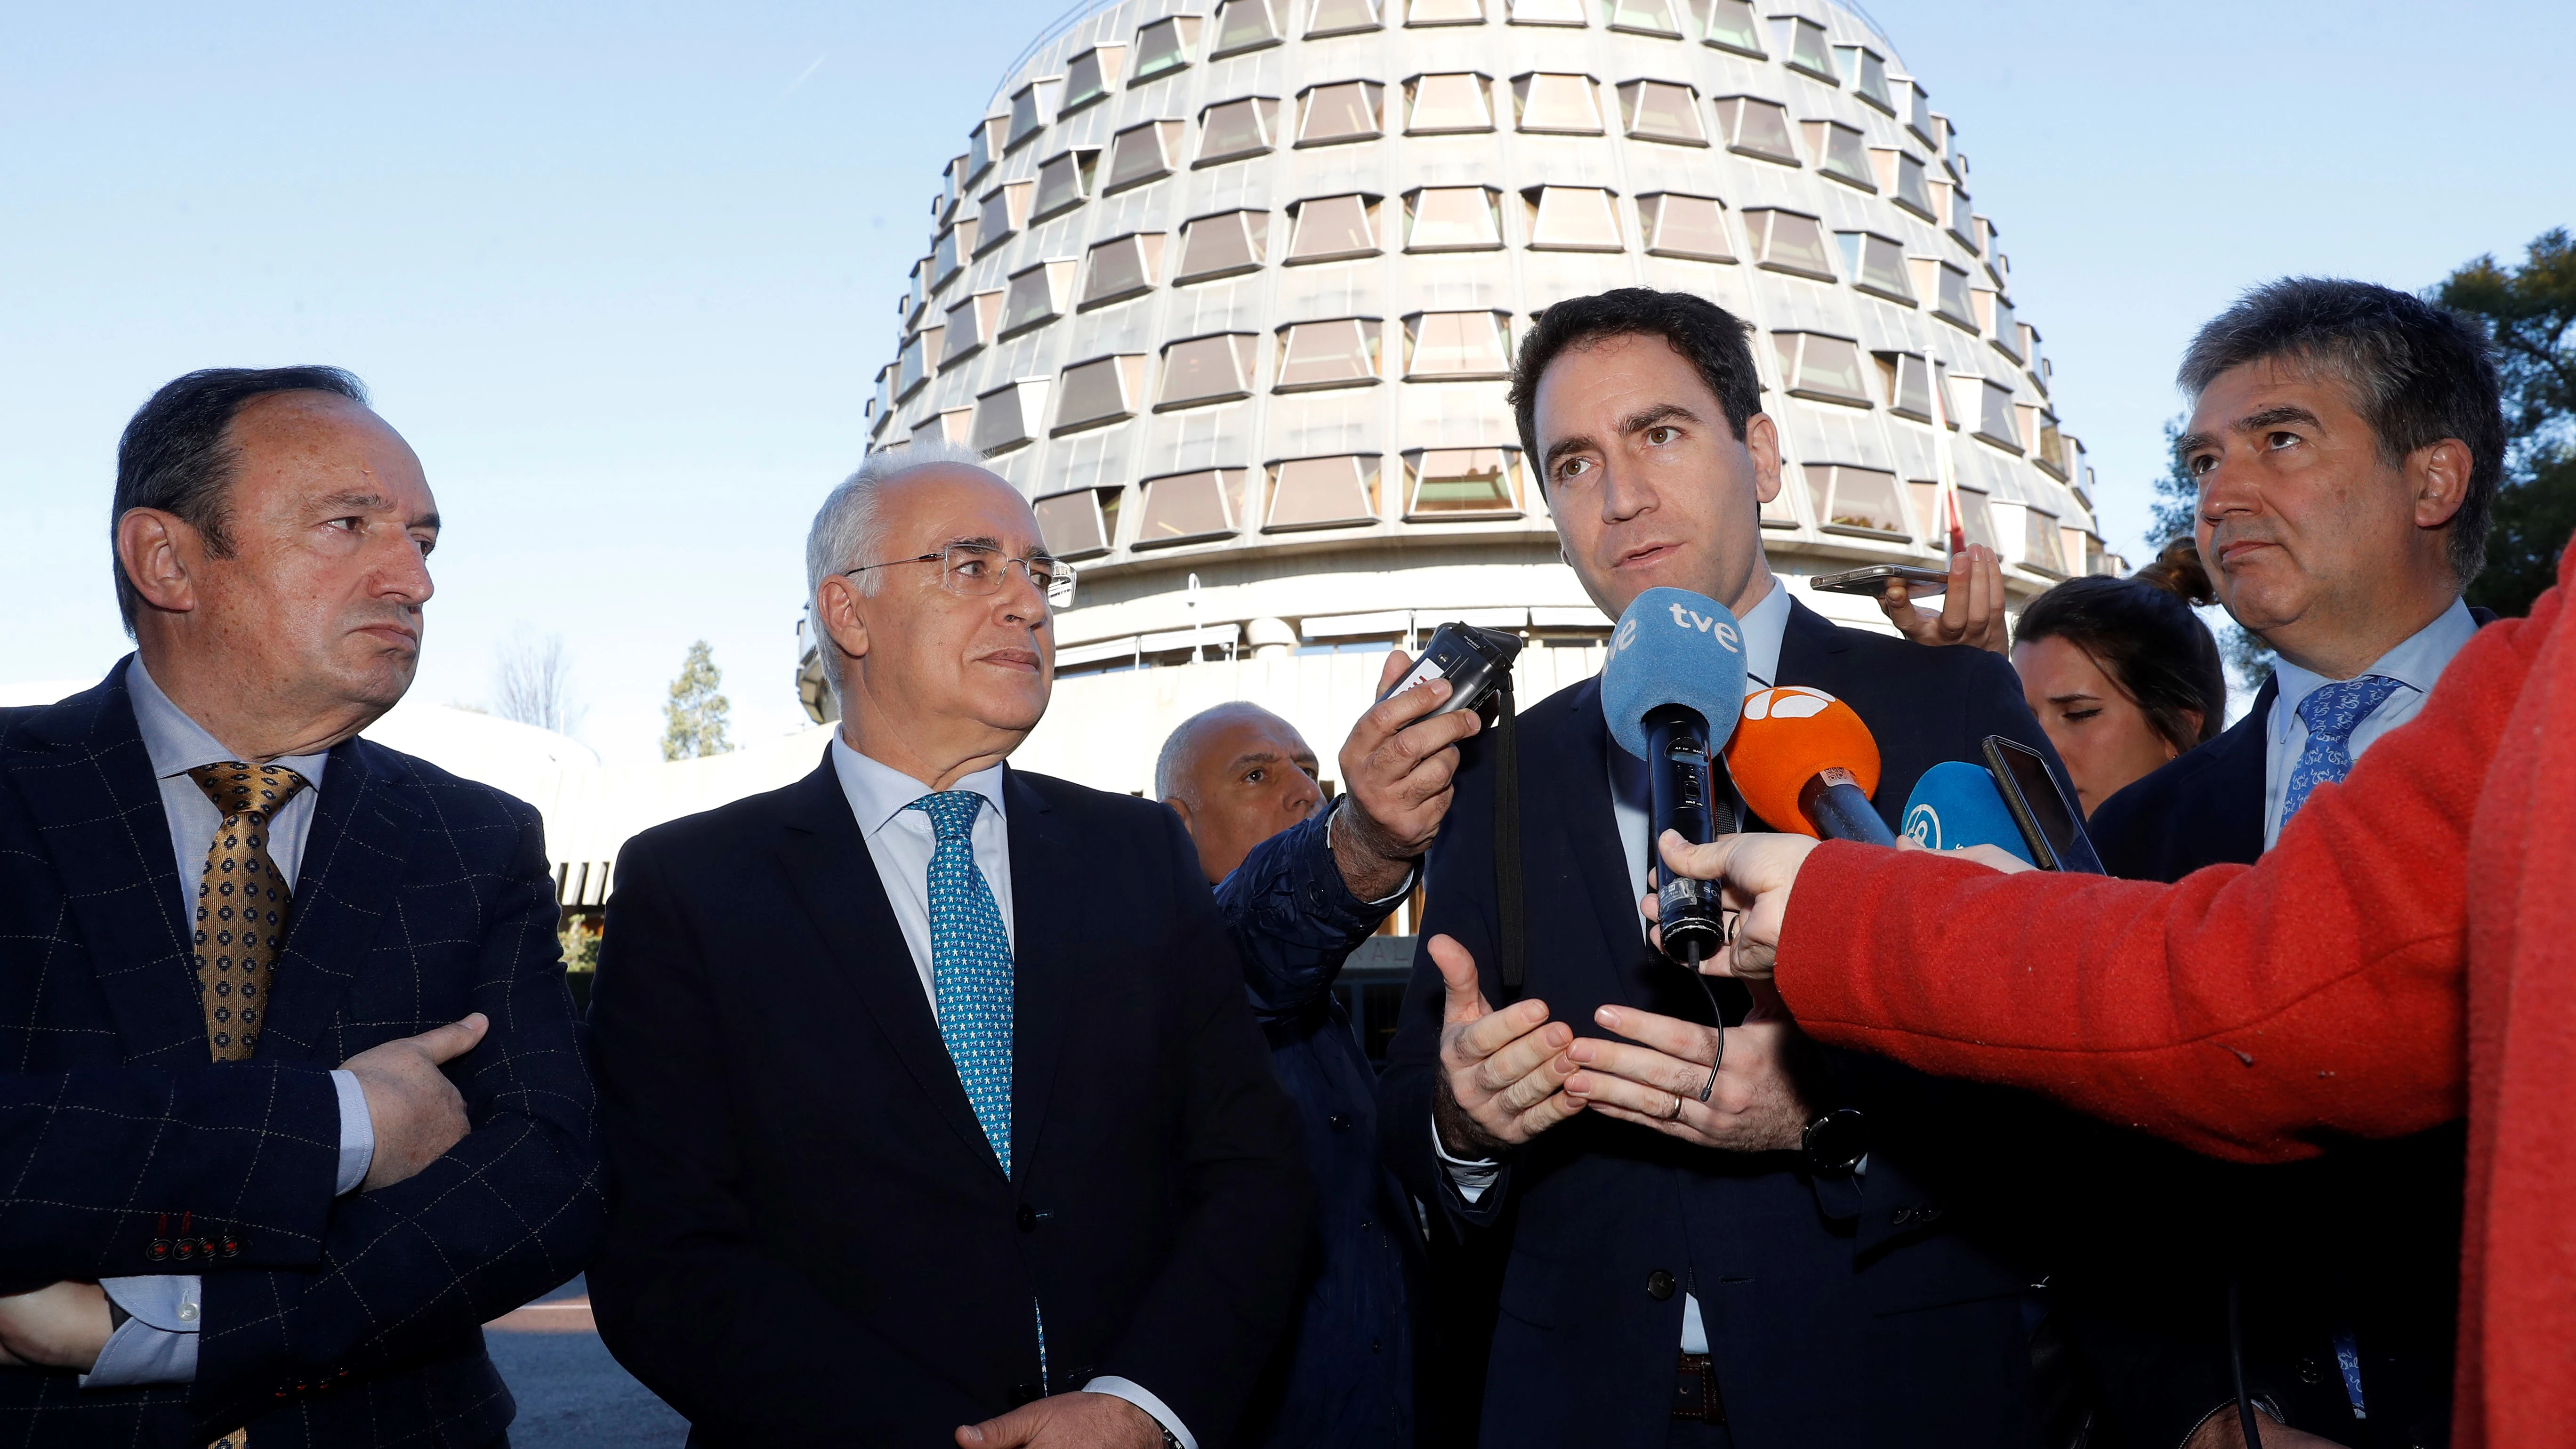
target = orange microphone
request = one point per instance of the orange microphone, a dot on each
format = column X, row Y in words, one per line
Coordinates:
column 1803, row 761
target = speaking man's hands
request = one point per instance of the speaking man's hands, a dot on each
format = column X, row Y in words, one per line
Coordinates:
column 1972, row 606
column 1655, row 1078
column 1397, row 767
column 1502, row 1073
column 61, row 1325
column 1067, row 1421
column 418, row 1114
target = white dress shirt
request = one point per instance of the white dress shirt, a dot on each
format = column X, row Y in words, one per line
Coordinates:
column 2415, row 664
column 158, row 1344
column 1764, row 625
column 901, row 841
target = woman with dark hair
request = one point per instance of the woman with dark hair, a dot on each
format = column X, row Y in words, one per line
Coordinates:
column 2122, row 675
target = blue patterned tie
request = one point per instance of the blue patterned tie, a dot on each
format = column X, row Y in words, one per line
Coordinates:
column 970, row 966
column 2331, row 713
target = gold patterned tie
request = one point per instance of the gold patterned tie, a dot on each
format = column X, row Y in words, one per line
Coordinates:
column 241, row 903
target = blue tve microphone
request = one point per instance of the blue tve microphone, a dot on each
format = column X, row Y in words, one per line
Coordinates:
column 1955, row 804
column 1671, row 693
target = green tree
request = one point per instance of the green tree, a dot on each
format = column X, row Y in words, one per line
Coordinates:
column 2531, row 312
column 694, row 720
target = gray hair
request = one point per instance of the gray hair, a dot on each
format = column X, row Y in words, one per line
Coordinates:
column 846, row 530
column 1176, row 745
column 2417, row 373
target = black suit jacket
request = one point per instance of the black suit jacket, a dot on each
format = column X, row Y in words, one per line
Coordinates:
column 2203, row 807
column 125, row 1150
column 1838, row 1313
column 811, row 1241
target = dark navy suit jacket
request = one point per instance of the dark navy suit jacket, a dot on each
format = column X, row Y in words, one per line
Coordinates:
column 125, row 1150
column 812, row 1242
column 1344, row 1374
column 1838, row 1313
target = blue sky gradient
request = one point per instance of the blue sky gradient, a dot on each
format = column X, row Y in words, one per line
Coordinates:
column 623, row 273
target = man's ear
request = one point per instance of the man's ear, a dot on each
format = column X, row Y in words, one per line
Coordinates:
column 836, row 606
column 1181, row 808
column 154, row 549
column 1762, row 441
column 2439, row 478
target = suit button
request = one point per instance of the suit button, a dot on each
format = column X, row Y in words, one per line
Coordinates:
column 2311, row 1372
column 1659, row 1285
column 1028, row 1218
column 1341, row 1121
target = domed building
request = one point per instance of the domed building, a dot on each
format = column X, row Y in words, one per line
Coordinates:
column 1230, row 291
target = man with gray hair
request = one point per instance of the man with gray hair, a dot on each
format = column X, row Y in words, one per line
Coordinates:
column 2349, row 440
column 929, row 1086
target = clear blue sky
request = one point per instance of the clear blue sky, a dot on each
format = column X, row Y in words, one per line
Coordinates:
column 622, row 273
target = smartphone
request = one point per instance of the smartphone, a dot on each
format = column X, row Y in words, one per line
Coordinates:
column 1474, row 662
column 1871, row 582
column 2050, row 824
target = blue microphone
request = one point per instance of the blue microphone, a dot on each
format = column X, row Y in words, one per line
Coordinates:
column 1956, row 803
column 1671, row 693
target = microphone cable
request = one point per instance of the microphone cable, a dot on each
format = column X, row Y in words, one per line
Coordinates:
column 2236, row 1365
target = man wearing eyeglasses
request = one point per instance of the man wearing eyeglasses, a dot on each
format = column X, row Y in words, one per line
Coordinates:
column 934, row 1103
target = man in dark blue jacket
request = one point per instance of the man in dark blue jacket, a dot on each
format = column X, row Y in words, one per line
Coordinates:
column 1301, row 887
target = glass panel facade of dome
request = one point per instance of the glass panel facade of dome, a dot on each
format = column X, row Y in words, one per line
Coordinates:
column 1233, row 288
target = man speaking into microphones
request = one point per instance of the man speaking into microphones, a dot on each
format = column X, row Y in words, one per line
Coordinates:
column 1709, row 1248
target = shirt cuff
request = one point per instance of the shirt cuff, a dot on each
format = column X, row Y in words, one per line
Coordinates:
column 1143, row 1398
column 158, row 1343
column 1471, row 1176
column 357, row 1135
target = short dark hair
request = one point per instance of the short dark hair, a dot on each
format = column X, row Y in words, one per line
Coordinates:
column 1714, row 339
column 172, row 456
column 2142, row 631
column 2418, row 373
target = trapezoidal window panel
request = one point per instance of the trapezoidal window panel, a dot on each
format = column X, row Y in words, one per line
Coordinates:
column 1556, row 104
column 1666, row 111
column 2039, row 549
column 1869, row 76
column 919, row 359
column 1573, row 219
column 984, row 146
column 1732, row 25
column 1120, row 268
column 1163, row 46
column 1457, row 485
column 1329, row 115
column 1097, row 393
column 1544, row 12
column 1861, row 501
column 1029, row 110
column 1907, row 380
column 1811, row 50
column 1199, row 371
column 1876, row 265
column 1237, row 129
column 1694, row 227
column 1456, row 347
column 1840, row 154
column 1225, row 245
column 1342, row 17
column 970, row 324
column 1453, row 219
column 949, row 253
column 1332, row 229
column 1064, row 182
column 1078, row 524
column 1006, row 417
column 1142, row 153
column 1092, row 76
column 1444, row 12
column 1338, row 353
column 1948, row 286
column 1755, row 127
column 1448, row 105
column 1995, row 421
column 1662, row 18
column 1309, row 493
column 1821, row 368
column 1902, row 177
column 1003, row 213
column 1245, row 25
column 1789, row 241
column 1190, row 507
column 1036, row 297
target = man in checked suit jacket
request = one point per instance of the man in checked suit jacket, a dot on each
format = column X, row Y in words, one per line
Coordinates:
column 929, row 1085
column 216, row 896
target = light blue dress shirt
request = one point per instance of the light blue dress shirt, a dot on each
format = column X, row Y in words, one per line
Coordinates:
column 1764, row 626
column 158, row 1344
column 900, row 844
column 2415, row 664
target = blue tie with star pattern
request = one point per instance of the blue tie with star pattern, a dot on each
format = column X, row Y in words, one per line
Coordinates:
column 2331, row 712
column 970, row 966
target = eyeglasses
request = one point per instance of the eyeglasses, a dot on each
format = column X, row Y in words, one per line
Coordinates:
column 975, row 569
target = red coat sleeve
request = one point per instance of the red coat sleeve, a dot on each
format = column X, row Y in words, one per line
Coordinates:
column 2245, row 1012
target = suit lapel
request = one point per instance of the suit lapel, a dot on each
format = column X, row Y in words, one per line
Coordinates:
column 1590, row 827
column 81, row 769
column 1046, row 878
column 347, row 888
column 835, row 880
column 2240, row 792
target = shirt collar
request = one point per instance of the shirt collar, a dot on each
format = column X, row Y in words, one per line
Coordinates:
column 878, row 792
column 1764, row 626
column 177, row 744
column 2417, row 663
